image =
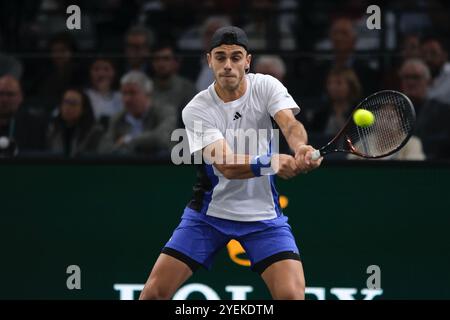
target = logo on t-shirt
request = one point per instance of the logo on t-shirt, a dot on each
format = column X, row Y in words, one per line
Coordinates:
column 237, row 115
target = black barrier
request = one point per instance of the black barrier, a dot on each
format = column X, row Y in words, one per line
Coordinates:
column 86, row 230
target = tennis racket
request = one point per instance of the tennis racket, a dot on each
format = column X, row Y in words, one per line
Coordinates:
column 394, row 122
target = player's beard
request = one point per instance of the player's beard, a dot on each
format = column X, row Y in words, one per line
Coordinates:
column 231, row 84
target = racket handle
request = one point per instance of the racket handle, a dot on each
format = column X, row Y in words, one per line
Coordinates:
column 315, row 155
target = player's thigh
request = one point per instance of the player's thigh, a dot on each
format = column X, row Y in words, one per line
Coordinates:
column 167, row 275
column 285, row 279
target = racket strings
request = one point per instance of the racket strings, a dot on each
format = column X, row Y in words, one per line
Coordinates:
column 394, row 120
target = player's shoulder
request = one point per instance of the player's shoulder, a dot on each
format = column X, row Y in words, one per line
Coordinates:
column 201, row 101
column 200, row 105
column 262, row 79
column 264, row 83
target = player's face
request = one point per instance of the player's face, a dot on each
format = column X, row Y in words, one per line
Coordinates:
column 228, row 63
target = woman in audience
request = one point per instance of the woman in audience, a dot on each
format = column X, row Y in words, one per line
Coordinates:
column 73, row 130
column 343, row 91
column 105, row 101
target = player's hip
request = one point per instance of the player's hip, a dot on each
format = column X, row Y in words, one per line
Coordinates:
column 236, row 228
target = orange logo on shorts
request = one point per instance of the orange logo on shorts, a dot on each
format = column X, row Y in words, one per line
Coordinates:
column 235, row 248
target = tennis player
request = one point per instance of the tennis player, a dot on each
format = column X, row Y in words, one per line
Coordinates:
column 234, row 198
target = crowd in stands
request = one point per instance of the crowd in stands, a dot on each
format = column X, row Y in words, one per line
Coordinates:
column 117, row 86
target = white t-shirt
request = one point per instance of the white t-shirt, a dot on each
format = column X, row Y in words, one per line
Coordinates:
column 105, row 106
column 251, row 199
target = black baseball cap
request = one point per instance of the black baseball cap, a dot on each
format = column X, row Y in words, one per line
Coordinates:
column 229, row 35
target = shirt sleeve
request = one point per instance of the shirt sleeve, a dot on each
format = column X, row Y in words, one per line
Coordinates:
column 278, row 97
column 200, row 129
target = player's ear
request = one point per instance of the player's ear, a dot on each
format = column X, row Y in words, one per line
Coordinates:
column 249, row 59
column 208, row 57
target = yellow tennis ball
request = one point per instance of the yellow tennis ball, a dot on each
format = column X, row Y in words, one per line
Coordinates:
column 363, row 118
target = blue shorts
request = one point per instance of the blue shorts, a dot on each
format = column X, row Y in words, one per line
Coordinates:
column 199, row 237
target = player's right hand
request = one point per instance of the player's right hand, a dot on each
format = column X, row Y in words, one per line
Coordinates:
column 303, row 159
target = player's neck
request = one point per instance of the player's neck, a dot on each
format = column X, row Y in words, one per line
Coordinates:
column 231, row 95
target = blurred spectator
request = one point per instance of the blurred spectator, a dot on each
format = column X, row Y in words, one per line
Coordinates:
column 199, row 36
column 10, row 65
column 105, row 101
column 343, row 39
column 415, row 77
column 409, row 48
column 170, row 88
column 325, row 116
column 205, row 77
column 62, row 73
column 21, row 127
column 432, row 116
column 138, row 43
column 272, row 65
column 355, row 12
column 73, row 131
column 143, row 127
column 266, row 30
column 343, row 92
column 436, row 57
column 411, row 151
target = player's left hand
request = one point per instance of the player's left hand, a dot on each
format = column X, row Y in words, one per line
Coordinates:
column 303, row 155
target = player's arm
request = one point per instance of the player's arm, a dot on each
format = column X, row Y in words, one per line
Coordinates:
column 239, row 166
column 292, row 129
column 231, row 165
column 297, row 138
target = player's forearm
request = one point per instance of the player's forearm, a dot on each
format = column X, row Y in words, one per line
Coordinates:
column 235, row 166
column 237, row 171
column 295, row 134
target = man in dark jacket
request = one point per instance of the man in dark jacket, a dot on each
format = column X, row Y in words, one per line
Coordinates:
column 143, row 127
column 24, row 131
